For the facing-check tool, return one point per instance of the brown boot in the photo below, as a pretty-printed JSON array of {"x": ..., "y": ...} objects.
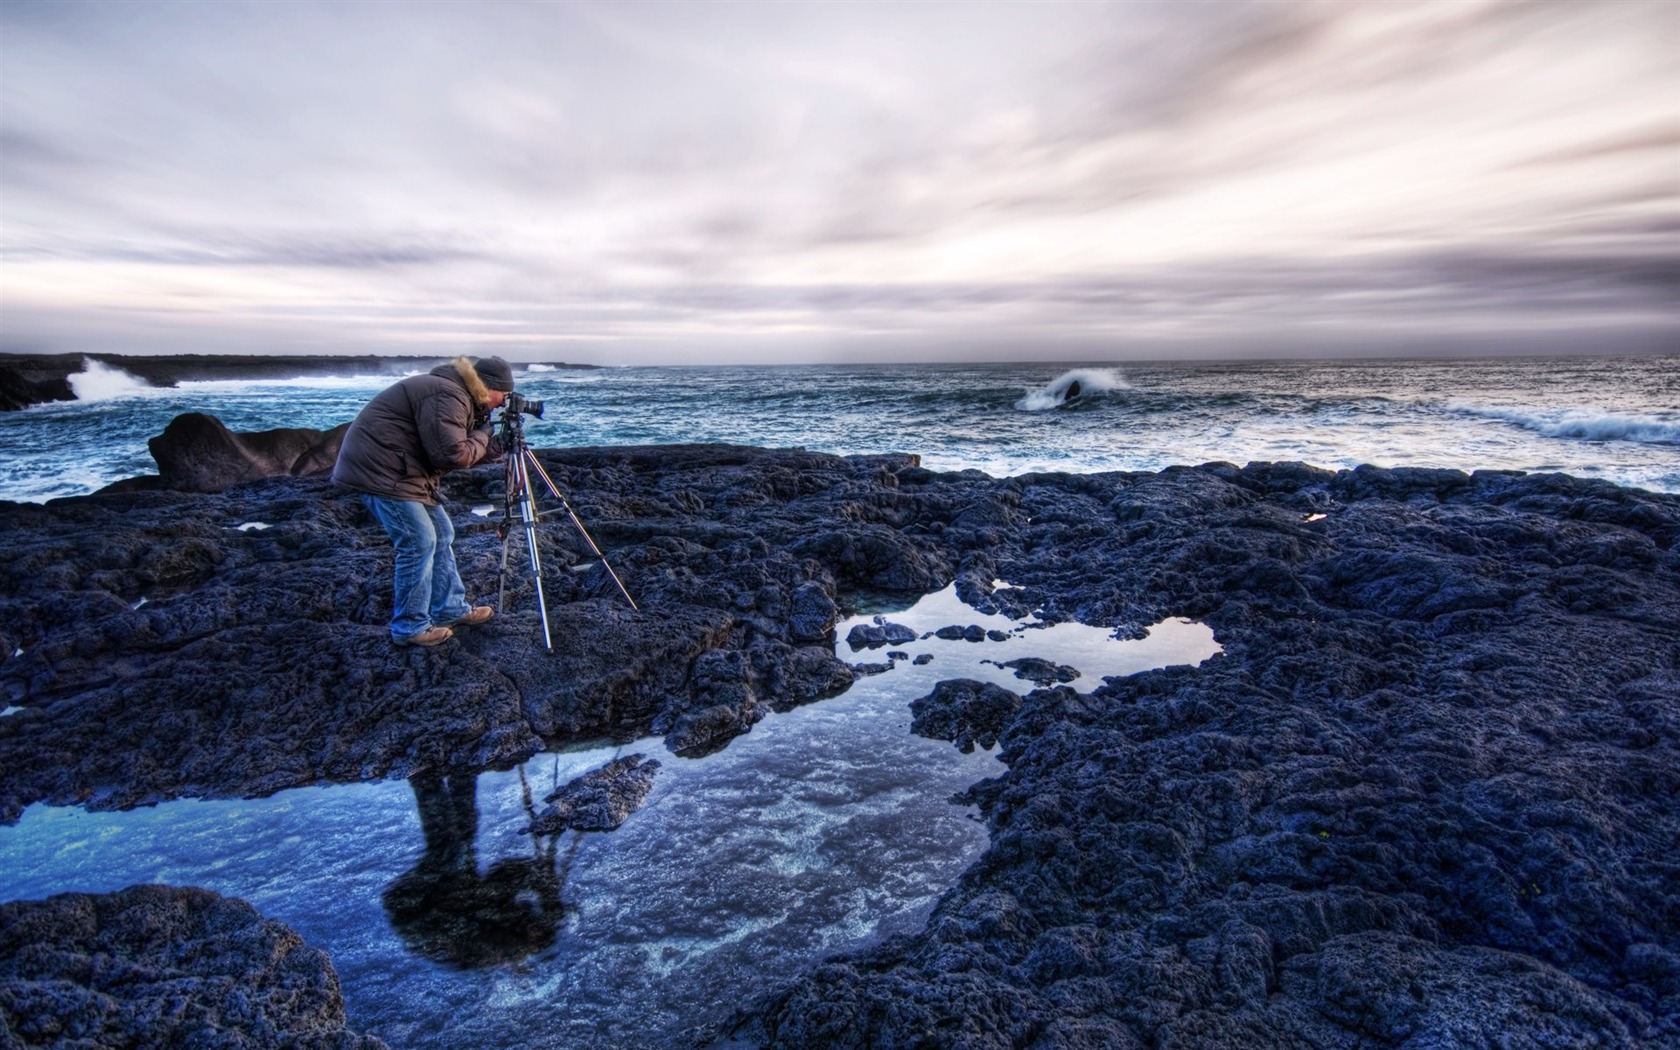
[
  {"x": 477, "y": 615},
  {"x": 430, "y": 636}
]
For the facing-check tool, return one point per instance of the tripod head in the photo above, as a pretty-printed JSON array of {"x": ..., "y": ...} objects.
[{"x": 513, "y": 428}]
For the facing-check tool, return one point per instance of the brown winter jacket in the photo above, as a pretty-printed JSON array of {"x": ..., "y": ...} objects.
[{"x": 417, "y": 430}]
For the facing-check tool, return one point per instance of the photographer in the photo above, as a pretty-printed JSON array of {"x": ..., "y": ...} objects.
[{"x": 395, "y": 453}]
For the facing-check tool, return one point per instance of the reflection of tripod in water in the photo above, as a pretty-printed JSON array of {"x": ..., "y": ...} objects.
[
  {"x": 521, "y": 461},
  {"x": 518, "y": 493}
]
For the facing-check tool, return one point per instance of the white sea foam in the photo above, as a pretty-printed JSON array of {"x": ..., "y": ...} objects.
[
  {"x": 1091, "y": 381},
  {"x": 1586, "y": 424},
  {"x": 265, "y": 385},
  {"x": 98, "y": 381}
]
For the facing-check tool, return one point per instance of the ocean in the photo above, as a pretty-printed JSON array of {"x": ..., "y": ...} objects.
[{"x": 1615, "y": 418}]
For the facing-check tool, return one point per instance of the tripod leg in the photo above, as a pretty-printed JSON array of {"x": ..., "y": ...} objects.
[
  {"x": 528, "y": 522},
  {"x": 587, "y": 538}
]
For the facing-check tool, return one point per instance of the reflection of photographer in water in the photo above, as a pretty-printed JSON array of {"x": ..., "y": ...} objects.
[
  {"x": 395, "y": 454},
  {"x": 446, "y": 911}
]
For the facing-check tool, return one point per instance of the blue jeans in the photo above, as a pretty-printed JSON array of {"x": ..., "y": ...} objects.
[{"x": 428, "y": 585}]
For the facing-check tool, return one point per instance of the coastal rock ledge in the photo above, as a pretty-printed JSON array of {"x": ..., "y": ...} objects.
[
  {"x": 164, "y": 966},
  {"x": 1427, "y": 796}
]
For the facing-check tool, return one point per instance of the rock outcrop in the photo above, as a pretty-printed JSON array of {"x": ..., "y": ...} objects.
[
  {"x": 157, "y": 966},
  {"x": 198, "y": 453},
  {"x": 35, "y": 381},
  {"x": 1426, "y": 796}
]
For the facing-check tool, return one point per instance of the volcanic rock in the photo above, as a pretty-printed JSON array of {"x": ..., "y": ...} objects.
[
  {"x": 1425, "y": 796},
  {"x": 1040, "y": 672},
  {"x": 161, "y": 966},
  {"x": 1419, "y": 800},
  {"x": 964, "y": 712},
  {"x": 873, "y": 636},
  {"x": 198, "y": 453}
]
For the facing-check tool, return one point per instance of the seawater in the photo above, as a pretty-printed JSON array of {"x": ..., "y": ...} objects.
[{"x": 1615, "y": 418}]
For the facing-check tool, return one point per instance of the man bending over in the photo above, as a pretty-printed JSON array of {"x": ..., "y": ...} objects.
[{"x": 395, "y": 453}]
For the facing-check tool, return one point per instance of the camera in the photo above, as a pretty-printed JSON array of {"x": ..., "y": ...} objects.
[{"x": 516, "y": 405}]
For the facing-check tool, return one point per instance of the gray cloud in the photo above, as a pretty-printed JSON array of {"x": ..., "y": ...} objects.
[{"x": 654, "y": 175}]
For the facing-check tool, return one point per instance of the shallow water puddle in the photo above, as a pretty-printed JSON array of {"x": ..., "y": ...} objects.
[
  {"x": 1092, "y": 651},
  {"x": 823, "y": 829}
]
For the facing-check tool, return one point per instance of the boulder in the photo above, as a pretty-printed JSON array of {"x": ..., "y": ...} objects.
[{"x": 198, "y": 453}]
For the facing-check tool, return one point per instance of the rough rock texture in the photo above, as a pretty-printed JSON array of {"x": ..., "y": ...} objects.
[
  {"x": 162, "y": 966},
  {"x": 1426, "y": 797},
  {"x": 964, "y": 712},
  {"x": 599, "y": 800},
  {"x": 198, "y": 453},
  {"x": 157, "y": 649}
]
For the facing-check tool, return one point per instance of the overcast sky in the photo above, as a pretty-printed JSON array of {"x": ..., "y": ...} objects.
[{"x": 714, "y": 182}]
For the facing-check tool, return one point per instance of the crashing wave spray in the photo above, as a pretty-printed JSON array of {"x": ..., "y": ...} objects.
[
  {"x": 1585, "y": 424},
  {"x": 98, "y": 381},
  {"x": 1080, "y": 382}
]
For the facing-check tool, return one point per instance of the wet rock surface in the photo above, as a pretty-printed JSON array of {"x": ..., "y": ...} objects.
[
  {"x": 1426, "y": 795},
  {"x": 156, "y": 966}
]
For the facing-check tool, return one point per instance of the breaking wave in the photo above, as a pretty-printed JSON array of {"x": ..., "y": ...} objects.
[
  {"x": 1078, "y": 383},
  {"x": 1588, "y": 424},
  {"x": 98, "y": 381}
]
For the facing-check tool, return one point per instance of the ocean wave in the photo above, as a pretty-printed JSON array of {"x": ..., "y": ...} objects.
[
  {"x": 98, "y": 381},
  {"x": 262, "y": 384},
  {"x": 1586, "y": 424},
  {"x": 1080, "y": 382}
]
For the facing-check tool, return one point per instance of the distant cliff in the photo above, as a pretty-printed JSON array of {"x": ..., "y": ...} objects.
[{"x": 34, "y": 379}]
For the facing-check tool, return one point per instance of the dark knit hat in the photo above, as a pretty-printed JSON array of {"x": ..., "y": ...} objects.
[{"x": 495, "y": 372}]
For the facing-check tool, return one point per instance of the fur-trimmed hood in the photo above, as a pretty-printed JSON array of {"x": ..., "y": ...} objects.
[{"x": 475, "y": 385}]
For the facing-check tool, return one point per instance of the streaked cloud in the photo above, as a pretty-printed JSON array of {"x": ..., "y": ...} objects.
[{"x": 699, "y": 182}]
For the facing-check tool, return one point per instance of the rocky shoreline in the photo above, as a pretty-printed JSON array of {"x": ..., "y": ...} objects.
[{"x": 1426, "y": 796}]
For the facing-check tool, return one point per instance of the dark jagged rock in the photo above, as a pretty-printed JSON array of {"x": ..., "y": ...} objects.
[
  {"x": 1425, "y": 796},
  {"x": 33, "y": 381},
  {"x": 252, "y": 661},
  {"x": 873, "y": 636},
  {"x": 198, "y": 453},
  {"x": 600, "y": 800},
  {"x": 1040, "y": 672},
  {"x": 964, "y": 712},
  {"x": 158, "y": 966}
]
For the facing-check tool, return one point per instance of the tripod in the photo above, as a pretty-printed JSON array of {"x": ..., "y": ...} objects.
[{"x": 521, "y": 462}]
